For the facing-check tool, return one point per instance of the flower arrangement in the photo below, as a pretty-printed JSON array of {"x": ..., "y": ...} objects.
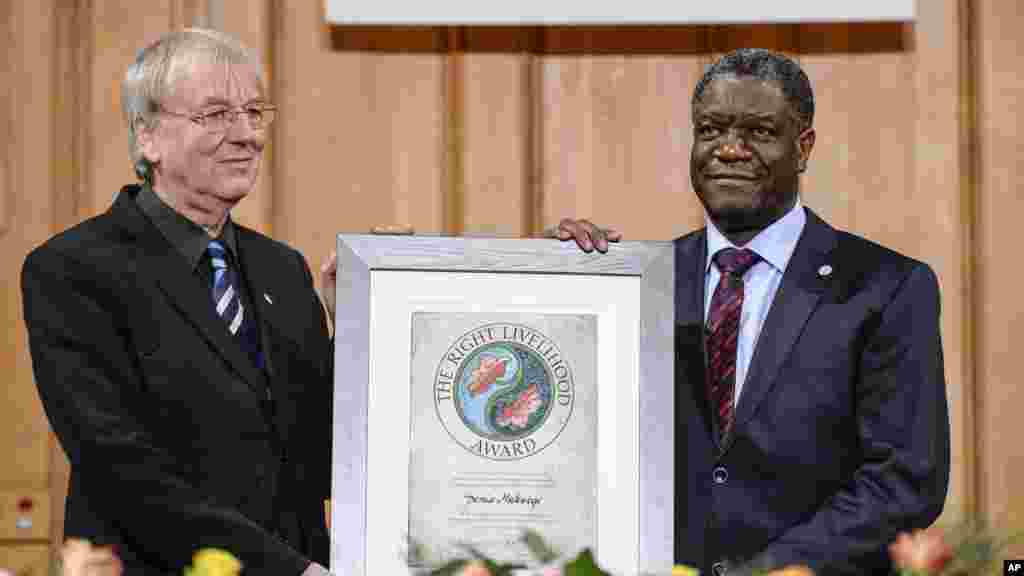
[
  {"x": 549, "y": 563},
  {"x": 80, "y": 558},
  {"x": 962, "y": 551},
  {"x": 475, "y": 563}
]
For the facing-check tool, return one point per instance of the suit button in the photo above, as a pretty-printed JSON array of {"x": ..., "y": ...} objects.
[
  {"x": 720, "y": 475},
  {"x": 718, "y": 569}
]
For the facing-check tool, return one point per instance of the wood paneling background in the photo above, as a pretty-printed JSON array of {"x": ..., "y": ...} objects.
[
  {"x": 502, "y": 131},
  {"x": 998, "y": 162}
]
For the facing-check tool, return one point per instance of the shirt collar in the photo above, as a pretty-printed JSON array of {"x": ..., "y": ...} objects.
[
  {"x": 187, "y": 237},
  {"x": 774, "y": 244}
]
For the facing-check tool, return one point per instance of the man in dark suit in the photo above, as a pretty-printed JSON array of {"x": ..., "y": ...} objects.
[
  {"x": 184, "y": 360},
  {"x": 810, "y": 389}
]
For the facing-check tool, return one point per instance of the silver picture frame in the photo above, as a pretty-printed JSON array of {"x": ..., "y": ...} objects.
[{"x": 383, "y": 280}]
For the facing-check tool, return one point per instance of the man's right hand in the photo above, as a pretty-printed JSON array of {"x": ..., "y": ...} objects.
[{"x": 588, "y": 236}]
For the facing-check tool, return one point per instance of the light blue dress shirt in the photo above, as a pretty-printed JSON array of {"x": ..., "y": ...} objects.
[{"x": 775, "y": 246}]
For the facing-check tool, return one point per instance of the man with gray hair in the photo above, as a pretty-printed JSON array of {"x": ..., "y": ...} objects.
[{"x": 184, "y": 360}]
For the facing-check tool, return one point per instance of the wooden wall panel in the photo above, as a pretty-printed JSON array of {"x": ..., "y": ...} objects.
[
  {"x": 25, "y": 442},
  {"x": 5, "y": 189},
  {"x": 6, "y": 112},
  {"x": 861, "y": 174},
  {"x": 615, "y": 135},
  {"x": 28, "y": 45},
  {"x": 185, "y": 13},
  {"x": 943, "y": 220},
  {"x": 24, "y": 516},
  {"x": 496, "y": 127},
  {"x": 1000, "y": 164},
  {"x": 118, "y": 30},
  {"x": 362, "y": 139},
  {"x": 31, "y": 560},
  {"x": 71, "y": 65}
]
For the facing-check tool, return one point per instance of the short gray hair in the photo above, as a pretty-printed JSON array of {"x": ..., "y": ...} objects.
[{"x": 159, "y": 66}]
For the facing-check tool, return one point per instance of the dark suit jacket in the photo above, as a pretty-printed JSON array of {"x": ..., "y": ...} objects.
[
  {"x": 176, "y": 440},
  {"x": 841, "y": 436}
]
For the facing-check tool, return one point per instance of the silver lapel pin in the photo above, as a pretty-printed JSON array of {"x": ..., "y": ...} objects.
[
  {"x": 824, "y": 271},
  {"x": 267, "y": 298}
]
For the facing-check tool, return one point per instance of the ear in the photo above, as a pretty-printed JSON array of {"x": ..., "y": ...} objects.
[
  {"x": 804, "y": 142},
  {"x": 145, "y": 139}
]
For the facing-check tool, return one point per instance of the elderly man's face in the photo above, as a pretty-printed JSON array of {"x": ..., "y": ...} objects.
[
  {"x": 747, "y": 154},
  {"x": 199, "y": 170}
]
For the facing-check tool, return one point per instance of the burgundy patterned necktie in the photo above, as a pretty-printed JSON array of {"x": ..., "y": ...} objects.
[{"x": 723, "y": 331}]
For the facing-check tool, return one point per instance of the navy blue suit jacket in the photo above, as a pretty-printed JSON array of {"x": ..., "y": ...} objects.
[{"x": 841, "y": 436}]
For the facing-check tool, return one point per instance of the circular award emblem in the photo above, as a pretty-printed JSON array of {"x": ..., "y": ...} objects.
[{"x": 503, "y": 391}]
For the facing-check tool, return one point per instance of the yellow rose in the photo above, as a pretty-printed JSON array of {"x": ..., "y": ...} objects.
[
  {"x": 679, "y": 570},
  {"x": 213, "y": 562}
]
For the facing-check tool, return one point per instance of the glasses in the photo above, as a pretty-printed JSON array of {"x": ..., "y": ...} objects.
[{"x": 258, "y": 117}]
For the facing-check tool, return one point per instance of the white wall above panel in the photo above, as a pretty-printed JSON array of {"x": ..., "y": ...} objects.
[{"x": 582, "y": 12}]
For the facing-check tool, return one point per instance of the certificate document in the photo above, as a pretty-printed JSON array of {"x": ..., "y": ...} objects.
[{"x": 503, "y": 431}]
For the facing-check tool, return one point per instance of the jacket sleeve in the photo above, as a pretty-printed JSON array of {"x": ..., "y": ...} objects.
[
  {"x": 321, "y": 391},
  {"x": 88, "y": 379},
  {"x": 903, "y": 426}
]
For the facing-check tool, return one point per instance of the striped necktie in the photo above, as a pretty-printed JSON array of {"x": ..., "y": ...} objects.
[
  {"x": 226, "y": 299},
  {"x": 723, "y": 332}
]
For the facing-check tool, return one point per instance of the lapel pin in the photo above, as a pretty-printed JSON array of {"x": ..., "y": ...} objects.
[
  {"x": 267, "y": 298},
  {"x": 824, "y": 271}
]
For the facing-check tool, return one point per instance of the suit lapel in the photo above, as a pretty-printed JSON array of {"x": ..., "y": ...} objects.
[
  {"x": 691, "y": 357},
  {"x": 256, "y": 272},
  {"x": 263, "y": 286},
  {"x": 797, "y": 297},
  {"x": 171, "y": 273}
]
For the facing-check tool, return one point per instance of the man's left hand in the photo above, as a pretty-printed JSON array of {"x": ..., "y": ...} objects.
[{"x": 588, "y": 236}]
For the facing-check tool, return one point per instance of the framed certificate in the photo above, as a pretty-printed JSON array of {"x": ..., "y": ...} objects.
[{"x": 483, "y": 386}]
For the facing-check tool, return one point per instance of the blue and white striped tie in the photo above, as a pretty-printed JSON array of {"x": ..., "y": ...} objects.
[{"x": 225, "y": 292}]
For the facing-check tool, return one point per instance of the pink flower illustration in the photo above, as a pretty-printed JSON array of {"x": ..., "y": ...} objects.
[
  {"x": 517, "y": 413},
  {"x": 487, "y": 374}
]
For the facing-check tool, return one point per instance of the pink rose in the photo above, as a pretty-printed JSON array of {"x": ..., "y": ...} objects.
[
  {"x": 475, "y": 568},
  {"x": 922, "y": 550},
  {"x": 80, "y": 558}
]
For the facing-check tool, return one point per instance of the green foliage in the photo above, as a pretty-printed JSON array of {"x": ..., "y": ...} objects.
[
  {"x": 538, "y": 548},
  {"x": 584, "y": 565}
]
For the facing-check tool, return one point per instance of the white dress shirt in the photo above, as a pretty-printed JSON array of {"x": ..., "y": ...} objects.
[{"x": 775, "y": 246}]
